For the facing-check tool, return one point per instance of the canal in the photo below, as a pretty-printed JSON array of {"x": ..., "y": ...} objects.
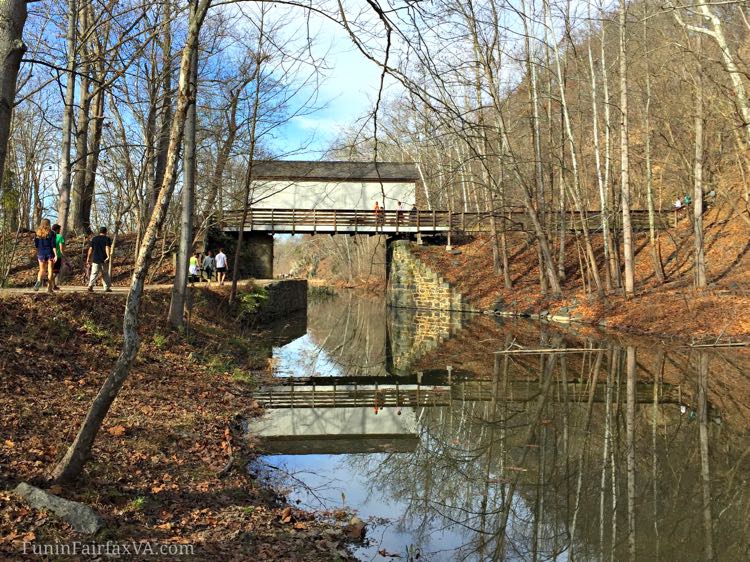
[{"x": 474, "y": 438}]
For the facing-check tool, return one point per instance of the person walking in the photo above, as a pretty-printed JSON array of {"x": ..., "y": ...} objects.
[
  {"x": 193, "y": 272},
  {"x": 98, "y": 256},
  {"x": 46, "y": 254},
  {"x": 221, "y": 266},
  {"x": 208, "y": 266},
  {"x": 60, "y": 261}
]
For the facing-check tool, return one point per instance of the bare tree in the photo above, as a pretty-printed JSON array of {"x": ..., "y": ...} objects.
[{"x": 79, "y": 451}]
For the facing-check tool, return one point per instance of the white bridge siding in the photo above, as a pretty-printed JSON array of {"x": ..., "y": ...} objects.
[{"x": 326, "y": 195}]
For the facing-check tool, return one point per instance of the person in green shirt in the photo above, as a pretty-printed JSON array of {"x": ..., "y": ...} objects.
[{"x": 57, "y": 266}]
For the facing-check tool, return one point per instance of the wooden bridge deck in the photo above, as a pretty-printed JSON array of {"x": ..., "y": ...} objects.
[{"x": 357, "y": 221}]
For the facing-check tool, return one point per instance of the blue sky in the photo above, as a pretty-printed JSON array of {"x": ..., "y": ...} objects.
[{"x": 347, "y": 93}]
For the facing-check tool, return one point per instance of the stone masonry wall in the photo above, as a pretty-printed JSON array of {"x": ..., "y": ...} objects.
[
  {"x": 284, "y": 297},
  {"x": 414, "y": 333},
  {"x": 411, "y": 284}
]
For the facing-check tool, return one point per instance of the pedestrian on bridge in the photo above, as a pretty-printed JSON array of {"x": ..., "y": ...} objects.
[{"x": 378, "y": 213}]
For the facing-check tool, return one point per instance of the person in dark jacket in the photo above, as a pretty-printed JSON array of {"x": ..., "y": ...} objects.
[
  {"x": 98, "y": 256},
  {"x": 46, "y": 254}
]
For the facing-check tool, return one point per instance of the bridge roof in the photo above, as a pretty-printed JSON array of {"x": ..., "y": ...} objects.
[{"x": 296, "y": 170}]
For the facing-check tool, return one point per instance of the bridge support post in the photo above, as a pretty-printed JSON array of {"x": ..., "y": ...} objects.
[{"x": 257, "y": 256}]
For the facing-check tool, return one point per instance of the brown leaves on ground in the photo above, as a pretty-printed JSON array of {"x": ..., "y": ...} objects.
[
  {"x": 116, "y": 431},
  {"x": 673, "y": 309},
  {"x": 155, "y": 466}
]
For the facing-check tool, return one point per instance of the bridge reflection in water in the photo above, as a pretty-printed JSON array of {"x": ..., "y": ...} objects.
[{"x": 627, "y": 450}]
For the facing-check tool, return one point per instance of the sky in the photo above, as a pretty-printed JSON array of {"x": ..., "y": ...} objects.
[{"x": 347, "y": 93}]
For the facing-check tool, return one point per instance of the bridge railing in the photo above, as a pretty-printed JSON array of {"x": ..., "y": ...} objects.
[{"x": 425, "y": 221}]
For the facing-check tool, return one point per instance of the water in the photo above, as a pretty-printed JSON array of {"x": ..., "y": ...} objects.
[{"x": 620, "y": 449}]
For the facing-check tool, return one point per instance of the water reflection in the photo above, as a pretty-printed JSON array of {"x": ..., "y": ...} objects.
[{"x": 619, "y": 450}]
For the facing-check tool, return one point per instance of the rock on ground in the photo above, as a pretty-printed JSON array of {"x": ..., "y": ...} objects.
[{"x": 81, "y": 517}]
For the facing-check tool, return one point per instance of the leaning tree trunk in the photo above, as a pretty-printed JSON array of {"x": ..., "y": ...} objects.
[
  {"x": 600, "y": 181},
  {"x": 78, "y": 453},
  {"x": 179, "y": 289},
  {"x": 12, "y": 48}
]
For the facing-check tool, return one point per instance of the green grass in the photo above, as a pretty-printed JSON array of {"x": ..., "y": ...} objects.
[
  {"x": 218, "y": 364},
  {"x": 249, "y": 301},
  {"x": 91, "y": 328},
  {"x": 242, "y": 376},
  {"x": 137, "y": 504},
  {"x": 160, "y": 340}
]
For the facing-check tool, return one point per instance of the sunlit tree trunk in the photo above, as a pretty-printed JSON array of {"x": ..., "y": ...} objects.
[
  {"x": 187, "y": 215},
  {"x": 627, "y": 229},
  {"x": 63, "y": 207},
  {"x": 708, "y": 518},
  {"x": 699, "y": 257},
  {"x": 630, "y": 367},
  {"x": 653, "y": 237},
  {"x": 600, "y": 181}
]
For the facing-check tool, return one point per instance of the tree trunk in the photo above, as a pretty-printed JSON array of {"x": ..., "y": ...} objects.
[
  {"x": 78, "y": 453},
  {"x": 536, "y": 137},
  {"x": 576, "y": 191},
  {"x": 92, "y": 162},
  {"x": 653, "y": 237},
  {"x": 166, "y": 106},
  {"x": 63, "y": 207},
  {"x": 627, "y": 229},
  {"x": 82, "y": 131},
  {"x": 699, "y": 257},
  {"x": 179, "y": 289},
  {"x": 12, "y": 48},
  {"x": 600, "y": 181}
]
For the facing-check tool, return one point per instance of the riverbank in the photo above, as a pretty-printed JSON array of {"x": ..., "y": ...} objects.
[
  {"x": 169, "y": 464},
  {"x": 670, "y": 310}
]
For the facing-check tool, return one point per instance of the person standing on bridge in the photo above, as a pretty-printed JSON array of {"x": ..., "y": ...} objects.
[
  {"x": 413, "y": 214},
  {"x": 399, "y": 211},
  {"x": 98, "y": 256},
  {"x": 221, "y": 266},
  {"x": 46, "y": 253}
]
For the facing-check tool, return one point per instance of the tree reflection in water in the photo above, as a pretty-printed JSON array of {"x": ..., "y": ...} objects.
[{"x": 630, "y": 451}]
